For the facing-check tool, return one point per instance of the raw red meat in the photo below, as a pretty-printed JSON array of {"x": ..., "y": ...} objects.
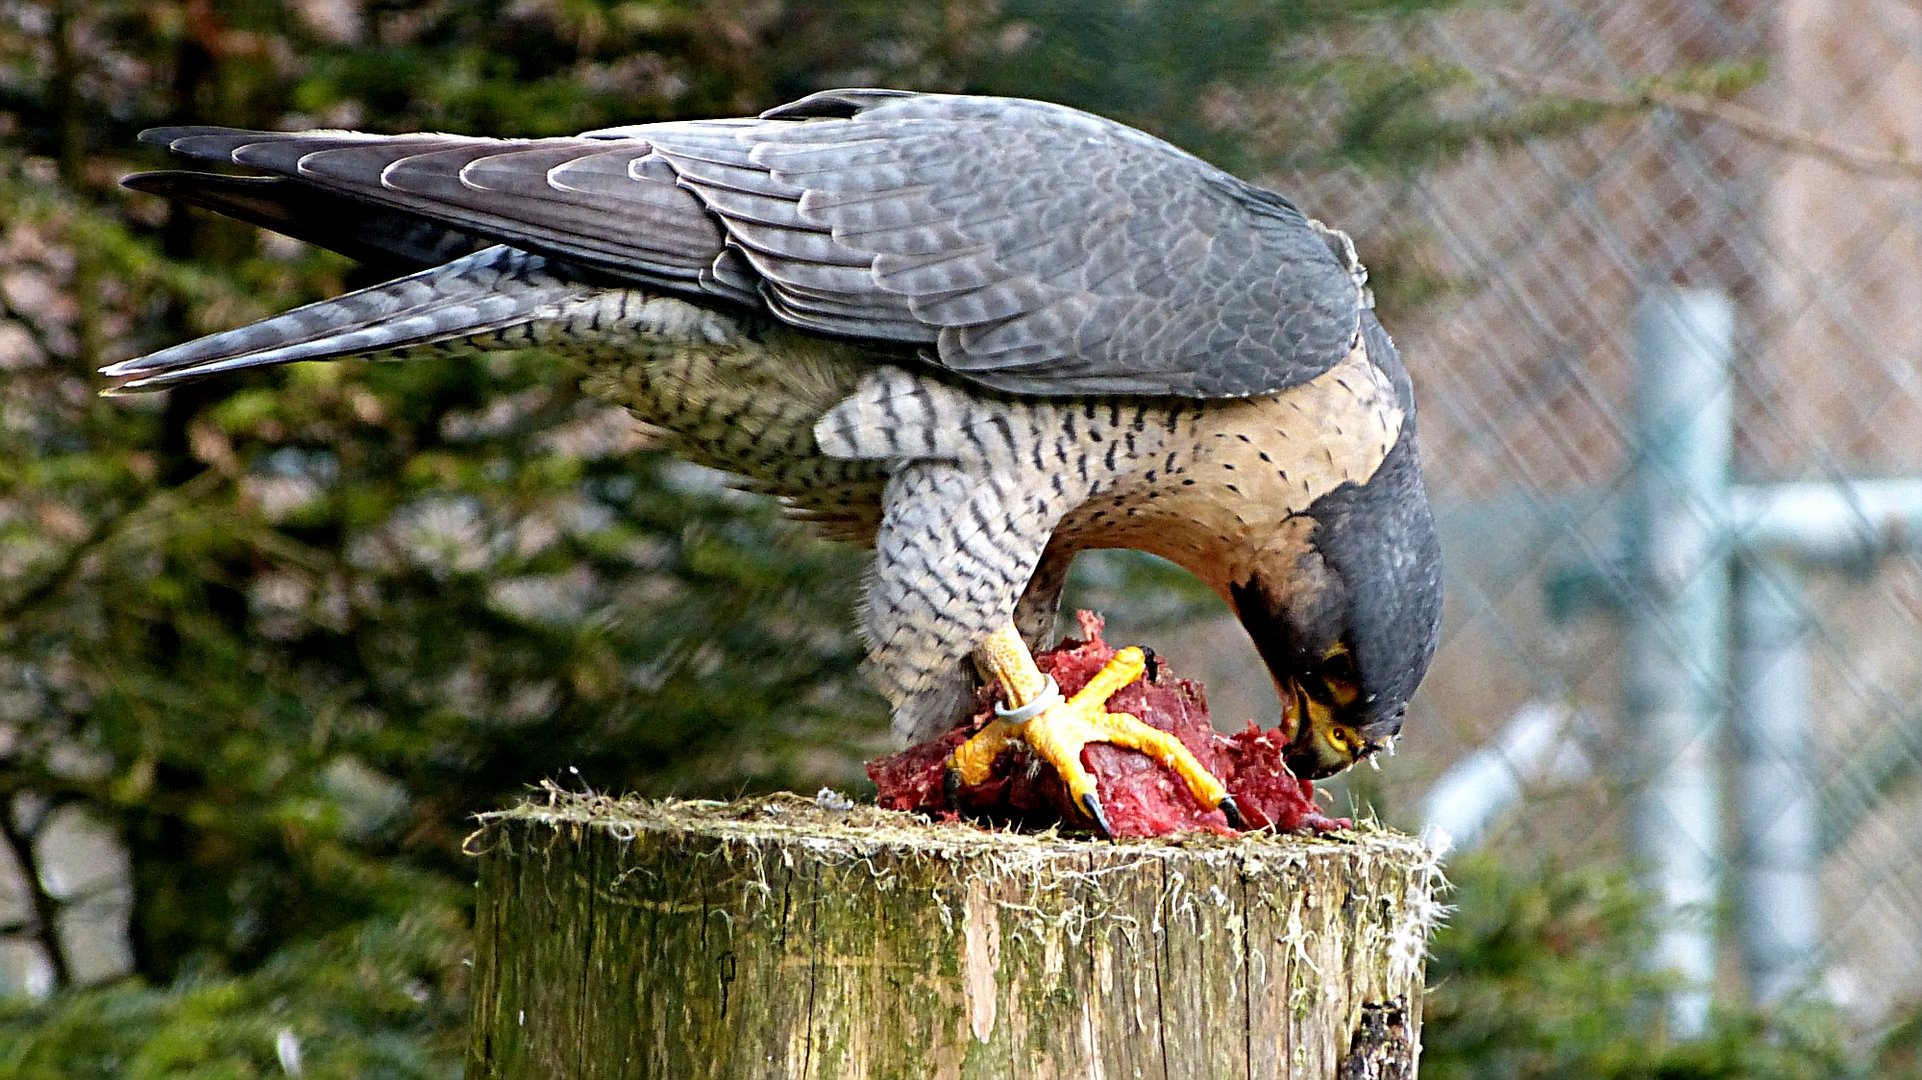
[{"x": 1140, "y": 797}]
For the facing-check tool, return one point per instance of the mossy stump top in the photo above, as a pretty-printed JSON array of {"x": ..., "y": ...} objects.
[{"x": 777, "y": 937}]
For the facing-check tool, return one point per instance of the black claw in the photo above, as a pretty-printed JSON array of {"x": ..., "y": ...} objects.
[
  {"x": 951, "y": 788},
  {"x": 1151, "y": 663},
  {"x": 1092, "y": 804},
  {"x": 1231, "y": 810}
]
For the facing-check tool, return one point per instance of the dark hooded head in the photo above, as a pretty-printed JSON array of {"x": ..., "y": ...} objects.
[{"x": 1346, "y": 607}]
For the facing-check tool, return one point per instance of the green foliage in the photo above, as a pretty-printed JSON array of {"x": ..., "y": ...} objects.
[
  {"x": 1230, "y": 80},
  {"x": 383, "y": 998},
  {"x": 1396, "y": 124},
  {"x": 282, "y": 635},
  {"x": 1538, "y": 974}
]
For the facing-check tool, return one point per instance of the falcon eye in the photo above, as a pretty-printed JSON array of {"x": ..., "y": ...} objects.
[{"x": 1342, "y": 740}]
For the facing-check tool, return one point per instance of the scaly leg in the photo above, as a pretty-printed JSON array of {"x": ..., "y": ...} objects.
[{"x": 1057, "y": 729}]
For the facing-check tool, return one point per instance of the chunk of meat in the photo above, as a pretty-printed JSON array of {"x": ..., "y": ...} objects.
[{"x": 1140, "y": 796}]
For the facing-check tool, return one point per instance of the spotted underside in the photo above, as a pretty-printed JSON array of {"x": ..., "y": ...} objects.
[{"x": 942, "y": 479}]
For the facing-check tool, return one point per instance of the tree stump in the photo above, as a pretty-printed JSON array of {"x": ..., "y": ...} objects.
[{"x": 780, "y": 938}]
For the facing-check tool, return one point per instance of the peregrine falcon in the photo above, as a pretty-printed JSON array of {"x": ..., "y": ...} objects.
[{"x": 978, "y": 334}]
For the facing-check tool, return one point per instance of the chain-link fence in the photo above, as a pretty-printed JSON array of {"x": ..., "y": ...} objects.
[{"x": 1668, "y": 405}]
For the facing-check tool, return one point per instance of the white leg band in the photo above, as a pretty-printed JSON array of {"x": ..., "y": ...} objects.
[{"x": 1048, "y": 698}]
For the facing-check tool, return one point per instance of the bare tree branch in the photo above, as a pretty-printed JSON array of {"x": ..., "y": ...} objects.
[
  {"x": 105, "y": 531},
  {"x": 1756, "y": 125}
]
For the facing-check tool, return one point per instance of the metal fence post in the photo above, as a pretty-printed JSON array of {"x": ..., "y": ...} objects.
[
  {"x": 1777, "y": 898},
  {"x": 1677, "y": 631}
]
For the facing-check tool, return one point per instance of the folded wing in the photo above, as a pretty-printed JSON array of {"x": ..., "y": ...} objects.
[{"x": 1026, "y": 247}]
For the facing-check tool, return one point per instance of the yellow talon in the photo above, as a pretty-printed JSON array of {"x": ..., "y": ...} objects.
[
  {"x": 1058, "y": 734},
  {"x": 974, "y": 759},
  {"x": 1125, "y": 667}
]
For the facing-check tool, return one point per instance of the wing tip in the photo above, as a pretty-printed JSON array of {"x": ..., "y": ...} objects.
[
  {"x": 172, "y": 136},
  {"x": 152, "y": 183},
  {"x": 206, "y": 142}
]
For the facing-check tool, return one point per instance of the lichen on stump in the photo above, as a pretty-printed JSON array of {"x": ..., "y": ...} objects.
[{"x": 777, "y": 937}]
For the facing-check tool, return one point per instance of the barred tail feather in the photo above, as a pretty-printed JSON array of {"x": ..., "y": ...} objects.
[{"x": 490, "y": 290}]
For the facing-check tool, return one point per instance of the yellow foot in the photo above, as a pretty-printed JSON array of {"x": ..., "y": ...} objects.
[{"x": 1057, "y": 729}]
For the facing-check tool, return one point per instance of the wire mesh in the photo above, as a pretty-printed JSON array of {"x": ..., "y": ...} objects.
[{"x": 1795, "y": 198}]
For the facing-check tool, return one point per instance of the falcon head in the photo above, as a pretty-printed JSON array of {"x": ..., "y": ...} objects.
[{"x": 1345, "y": 609}]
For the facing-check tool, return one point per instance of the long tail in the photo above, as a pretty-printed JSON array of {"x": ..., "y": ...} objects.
[{"x": 480, "y": 299}]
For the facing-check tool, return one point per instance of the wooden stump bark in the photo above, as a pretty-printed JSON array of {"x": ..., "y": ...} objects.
[{"x": 778, "y": 938}]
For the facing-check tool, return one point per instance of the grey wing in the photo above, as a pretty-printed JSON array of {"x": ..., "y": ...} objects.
[
  {"x": 1049, "y": 251},
  {"x": 367, "y": 233},
  {"x": 1026, "y": 247},
  {"x": 608, "y": 205}
]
